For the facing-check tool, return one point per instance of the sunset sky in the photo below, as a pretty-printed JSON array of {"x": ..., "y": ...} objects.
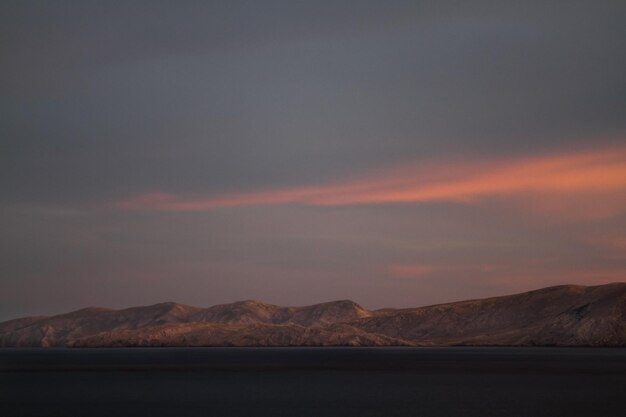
[{"x": 397, "y": 153}]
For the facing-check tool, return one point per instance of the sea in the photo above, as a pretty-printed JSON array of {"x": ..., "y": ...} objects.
[{"x": 453, "y": 381}]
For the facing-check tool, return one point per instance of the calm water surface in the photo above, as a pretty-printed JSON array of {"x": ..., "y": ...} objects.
[{"x": 313, "y": 382}]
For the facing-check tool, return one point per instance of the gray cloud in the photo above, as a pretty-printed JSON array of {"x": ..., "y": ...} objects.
[
  {"x": 104, "y": 100},
  {"x": 111, "y": 100}
]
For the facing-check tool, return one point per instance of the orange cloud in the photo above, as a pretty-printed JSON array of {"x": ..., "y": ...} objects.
[
  {"x": 593, "y": 181},
  {"x": 519, "y": 277},
  {"x": 412, "y": 270},
  {"x": 538, "y": 279},
  {"x": 419, "y": 270}
]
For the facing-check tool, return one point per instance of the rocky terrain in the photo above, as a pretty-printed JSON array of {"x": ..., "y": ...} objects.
[{"x": 557, "y": 316}]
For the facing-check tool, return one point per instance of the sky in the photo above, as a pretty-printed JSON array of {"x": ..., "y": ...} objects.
[{"x": 396, "y": 153}]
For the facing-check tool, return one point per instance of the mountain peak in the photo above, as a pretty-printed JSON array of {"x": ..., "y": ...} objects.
[
  {"x": 87, "y": 311},
  {"x": 251, "y": 303},
  {"x": 331, "y": 312},
  {"x": 566, "y": 315},
  {"x": 348, "y": 304}
]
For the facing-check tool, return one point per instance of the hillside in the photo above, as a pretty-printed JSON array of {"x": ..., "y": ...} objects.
[{"x": 555, "y": 316}]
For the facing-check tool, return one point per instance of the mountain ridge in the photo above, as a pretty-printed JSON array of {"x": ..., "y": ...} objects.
[{"x": 564, "y": 315}]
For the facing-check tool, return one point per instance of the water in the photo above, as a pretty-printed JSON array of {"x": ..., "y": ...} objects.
[{"x": 313, "y": 382}]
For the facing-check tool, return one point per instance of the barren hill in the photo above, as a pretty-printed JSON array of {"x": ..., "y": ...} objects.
[
  {"x": 252, "y": 311},
  {"x": 556, "y": 316}
]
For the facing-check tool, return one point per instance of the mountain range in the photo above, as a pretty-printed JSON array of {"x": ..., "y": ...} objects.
[{"x": 566, "y": 315}]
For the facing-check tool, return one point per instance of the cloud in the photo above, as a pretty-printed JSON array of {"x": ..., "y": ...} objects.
[
  {"x": 511, "y": 278},
  {"x": 412, "y": 270},
  {"x": 427, "y": 270},
  {"x": 590, "y": 183}
]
